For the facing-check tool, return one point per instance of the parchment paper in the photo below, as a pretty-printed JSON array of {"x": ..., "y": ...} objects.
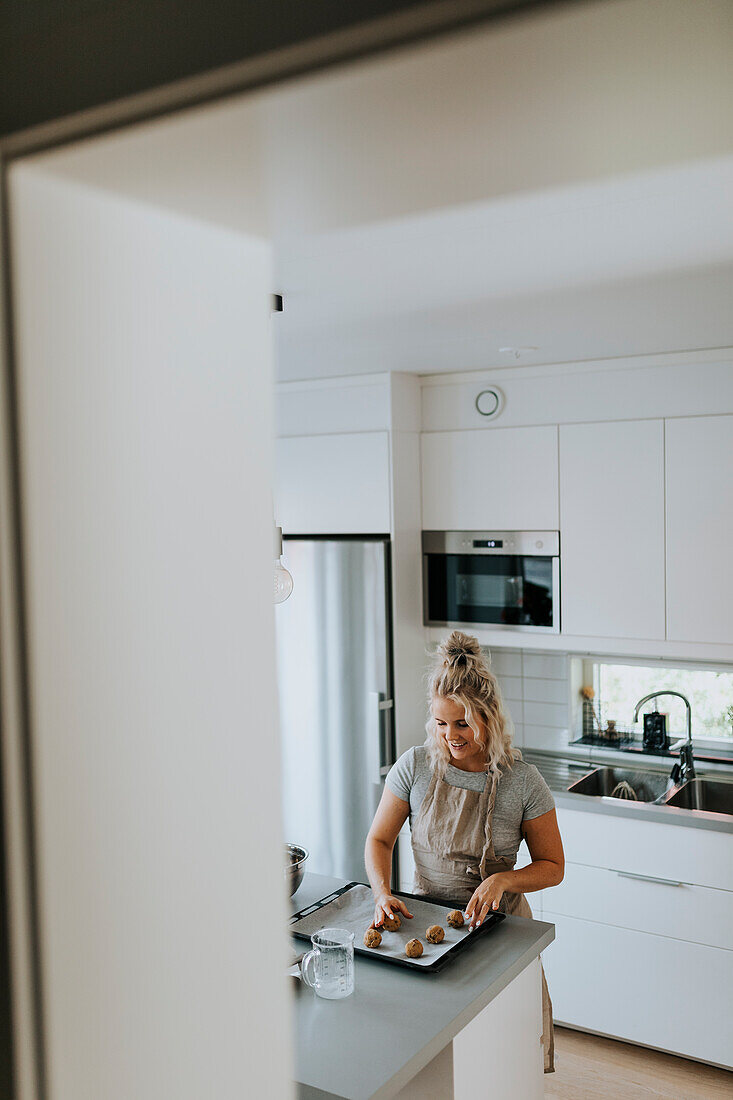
[{"x": 354, "y": 911}]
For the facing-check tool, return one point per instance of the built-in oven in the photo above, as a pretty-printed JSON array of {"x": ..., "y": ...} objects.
[{"x": 494, "y": 579}]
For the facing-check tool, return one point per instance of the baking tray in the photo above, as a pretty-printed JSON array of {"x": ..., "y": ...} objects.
[{"x": 352, "y": 907}]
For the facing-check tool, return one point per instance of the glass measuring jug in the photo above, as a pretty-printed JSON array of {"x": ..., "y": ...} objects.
[{"x": 329, "y": 967}]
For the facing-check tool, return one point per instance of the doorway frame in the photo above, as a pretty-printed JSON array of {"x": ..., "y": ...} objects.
[{"x": 433, "y": 19}]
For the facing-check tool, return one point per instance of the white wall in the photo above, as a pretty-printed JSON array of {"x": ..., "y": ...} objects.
[
  {"x": 510, "y": 184},
  {"x": 408, "y": 637},
  {"x": 561, "y": 96},
  {"x": 641, "y": 387},
  {"x": 145, "y": 409},
  {"x": 573, "y": 93}
]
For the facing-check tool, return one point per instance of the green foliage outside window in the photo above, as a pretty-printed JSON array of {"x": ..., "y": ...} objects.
[{"x": 619, "y": 688}]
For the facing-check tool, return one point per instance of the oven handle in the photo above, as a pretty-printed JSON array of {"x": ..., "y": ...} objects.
[{"x": 556, "y": 595}]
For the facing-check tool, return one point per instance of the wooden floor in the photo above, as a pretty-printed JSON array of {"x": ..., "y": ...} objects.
[{"x": 591, "y": 1068}]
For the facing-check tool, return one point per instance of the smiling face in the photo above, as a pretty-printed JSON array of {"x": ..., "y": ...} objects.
[{"x": 450, "y": 722}]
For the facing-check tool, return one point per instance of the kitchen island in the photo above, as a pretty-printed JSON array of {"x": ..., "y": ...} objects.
[{"x": 471, "y": 1028}]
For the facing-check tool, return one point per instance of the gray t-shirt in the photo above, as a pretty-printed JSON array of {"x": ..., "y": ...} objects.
[{"x": 521, "y": 795}]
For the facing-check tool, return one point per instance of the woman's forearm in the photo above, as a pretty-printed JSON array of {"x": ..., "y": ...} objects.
[
  {"x": 538, "y": 875},
  {"x": 378, "y": 860}
]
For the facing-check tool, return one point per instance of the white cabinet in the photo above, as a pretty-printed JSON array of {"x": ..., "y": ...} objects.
[
  {"x": 505, "y": 1036},
  {"x": 645, "y": 988},
  {"x": 645, "y": 903},
  {"x": 333, "y": 484},
  {"x": 406, "y": 861},
  {"x": 700, "y": 529},
  {"x": 612, "y": 529},
  {"x": 501, "y": 479},
  {"x": 644, "y": 921},
  {"x": 701, "y": 857},
  {"x": 512, "y": 1026}
]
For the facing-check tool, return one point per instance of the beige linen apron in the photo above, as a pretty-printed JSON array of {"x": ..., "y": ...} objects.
[{"x": 453, "y": 848}]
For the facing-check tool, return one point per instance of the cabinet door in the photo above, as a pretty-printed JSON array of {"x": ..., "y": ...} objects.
[
  {"x": 333, "y": 484},
  {"x": 644, "y": 988},
  {"x": 700, "y": 857},
  {"x": 612, "y": 529},
  {"x": 499, "y": 479},
  {"x": 511, "y": 1025},
  {"x": 700, "y": 529},
  {"x": 645, "y": 903}
]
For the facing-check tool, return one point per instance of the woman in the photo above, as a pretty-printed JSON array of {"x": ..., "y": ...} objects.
[{"x": 471, "y": 800}]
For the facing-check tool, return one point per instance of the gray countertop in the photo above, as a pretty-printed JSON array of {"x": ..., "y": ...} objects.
[
  {"x": 561, "y": 768},
  {"x": 370, "y": 1044}
]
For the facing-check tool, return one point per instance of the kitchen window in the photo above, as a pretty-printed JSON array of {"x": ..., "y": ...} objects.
[{"x": 618, "y": 687}]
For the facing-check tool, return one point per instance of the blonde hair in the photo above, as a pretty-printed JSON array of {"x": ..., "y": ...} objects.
[{"x": 462, "y": 673}]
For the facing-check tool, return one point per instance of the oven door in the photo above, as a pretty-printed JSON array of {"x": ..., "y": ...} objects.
[{"x": 512, "y": 591}]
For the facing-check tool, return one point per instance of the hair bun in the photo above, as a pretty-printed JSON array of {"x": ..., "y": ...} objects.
[{"x": 459, "y": 648}]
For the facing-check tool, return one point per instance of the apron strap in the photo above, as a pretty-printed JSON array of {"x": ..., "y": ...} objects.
[
  {"x": 489, "y": 855},
  {"x": 418, "y": 825}
]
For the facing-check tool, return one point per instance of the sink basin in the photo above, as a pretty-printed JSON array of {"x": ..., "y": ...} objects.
[
  {"x": 704, "y": 794},
  {"x": 647, "y": 786}
]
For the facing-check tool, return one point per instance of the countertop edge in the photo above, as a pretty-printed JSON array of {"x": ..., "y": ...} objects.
[
  {"x": 448, "y": 1034},
  {"x": 618, "y": 807}
]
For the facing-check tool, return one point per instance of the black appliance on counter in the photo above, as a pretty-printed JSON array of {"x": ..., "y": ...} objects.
[{"x": 656, "y": 737}]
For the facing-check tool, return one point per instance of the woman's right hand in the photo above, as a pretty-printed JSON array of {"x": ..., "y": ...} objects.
[{"x": 385, "y": 906}]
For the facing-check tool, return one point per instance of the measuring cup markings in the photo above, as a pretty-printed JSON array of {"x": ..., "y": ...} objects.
[{"x": 332, "y": 963}]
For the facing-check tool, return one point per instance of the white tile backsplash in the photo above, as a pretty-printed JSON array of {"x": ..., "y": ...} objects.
[
  {"x": 543, "y": 737},
  {"x": 506, "y": 662},
  {"x": 548, "y": 666},
  {"x": 545, "y": 691},
  {"x": 547, "y": 714},
  {"x": 535, "y": 689},
  {"x": 511, "y": 688}
]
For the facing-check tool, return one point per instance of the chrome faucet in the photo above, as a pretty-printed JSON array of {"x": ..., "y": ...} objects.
[{"x": 685, "y": 769}]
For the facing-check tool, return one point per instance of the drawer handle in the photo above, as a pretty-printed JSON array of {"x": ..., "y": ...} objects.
[{"x": 648, "y": 878}]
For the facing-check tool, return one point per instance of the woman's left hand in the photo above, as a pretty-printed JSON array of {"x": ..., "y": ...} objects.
[{"x": 486, "y": 898}]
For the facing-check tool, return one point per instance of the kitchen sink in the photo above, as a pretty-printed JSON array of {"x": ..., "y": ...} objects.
[
  {"x": 704, "y": 794},
  {"x": 638, "y": 786}
]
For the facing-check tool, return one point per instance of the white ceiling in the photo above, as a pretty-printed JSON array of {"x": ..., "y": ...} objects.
[
  {"x": 562, "y": 180},
  {"x": 626, "y": 267}
]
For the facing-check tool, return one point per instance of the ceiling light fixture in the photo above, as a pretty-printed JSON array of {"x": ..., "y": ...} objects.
[
  {"x": 282, "y": 579},
  {"x": 519, "y": 352}
]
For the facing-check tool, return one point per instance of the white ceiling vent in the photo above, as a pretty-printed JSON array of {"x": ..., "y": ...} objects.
[{"x": 489, "y": 403}]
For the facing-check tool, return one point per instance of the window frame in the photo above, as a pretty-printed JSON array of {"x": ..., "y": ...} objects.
[{"x": 591, "y": 675}]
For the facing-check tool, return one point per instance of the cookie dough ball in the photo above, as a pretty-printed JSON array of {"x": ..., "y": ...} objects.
[
  {"x": 435, "y": 934},
  {"x": 455, "y": 918},
  {"x": 392, "y": 923},
  {"x": 413, "y": 950},
  {"x": 372, "y": 938}
]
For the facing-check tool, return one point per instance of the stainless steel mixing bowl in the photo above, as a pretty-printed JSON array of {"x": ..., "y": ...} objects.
[{"x": 295, "y": 858}]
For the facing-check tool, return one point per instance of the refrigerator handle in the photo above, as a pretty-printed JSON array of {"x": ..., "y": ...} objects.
[{"x": 377, "y": 705}]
